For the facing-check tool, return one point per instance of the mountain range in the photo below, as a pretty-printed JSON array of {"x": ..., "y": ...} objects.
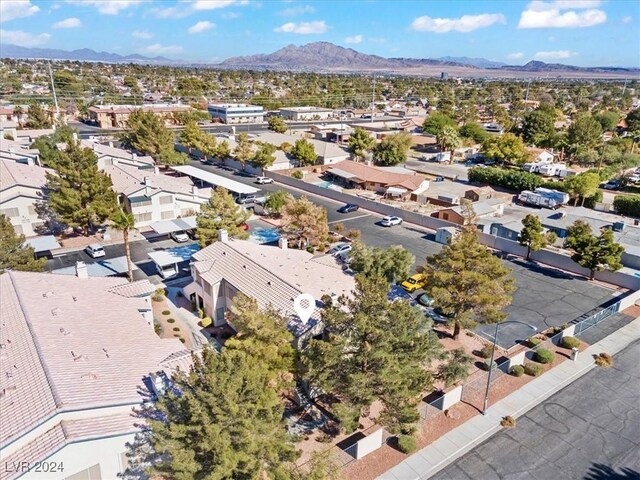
[{"x": 327, "y": 57}]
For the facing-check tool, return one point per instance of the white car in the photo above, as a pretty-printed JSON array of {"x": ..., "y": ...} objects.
[
  {"x": 263, "y": 180},
  {"x": 390, "y": 221},
  {"x": 95, "y": 250},
  {"x": 340, "y": 249},
  {"x": 180, "y": 236}
]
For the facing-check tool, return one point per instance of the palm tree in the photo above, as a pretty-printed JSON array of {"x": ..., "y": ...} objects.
[
  {"x": 449, "y": 140},
  {"x": 124, "y": 222}
]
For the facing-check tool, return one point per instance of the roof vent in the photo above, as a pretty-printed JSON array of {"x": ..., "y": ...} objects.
[
  {"x": 269, "y": 283},
  {"x": 106, "y": 352},
  {"x": 47, "y": 294},
  {"x": 56, "y": 311},
  {"x": 89, "y": 376},
  {"x": 64, "y": 332},
  {"x": 77, "y": 357},
  {"x": 7, "y": 391}
]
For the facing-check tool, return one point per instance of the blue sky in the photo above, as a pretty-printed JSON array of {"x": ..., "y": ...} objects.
[{"x": 578, "y": 32}]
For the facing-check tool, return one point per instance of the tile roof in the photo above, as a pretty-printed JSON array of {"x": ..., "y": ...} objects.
[
  {"x": 70, "y": 344},
  {"x": 368, "y": 173},
  {"x": 14, "y": 173},
  {"x": 271, "y": 275},
  {"x": 115, "y": 152},
  {"x": 128, "y": 180},
  {"x": 139, "y": 288}
]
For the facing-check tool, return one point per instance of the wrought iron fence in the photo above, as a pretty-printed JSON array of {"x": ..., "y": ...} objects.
[{"x": 596, "y": 318}]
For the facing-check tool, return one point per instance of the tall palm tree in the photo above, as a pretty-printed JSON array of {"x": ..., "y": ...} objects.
[
  {"x": 124, "y": 222},
  {"x": 449, "y": 140}
]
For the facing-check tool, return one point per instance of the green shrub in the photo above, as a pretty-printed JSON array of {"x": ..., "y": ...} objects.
[
  {"x": 407, "y": 444},
  {"x": 182, "y": 339},
  {"x": 310, "y": 249},
  {"x": 166, "y": 312},
  {"x": 298, "y": 174},
  {"x": 604, "y": 360},
  {"x": 570, "y": 342},
  {"x": 516, "y": 180},
  {"x": 157, "y": 328},
  {"x": 533, "y": 341},
  {"x": 158, "y": 295},
  {"x": 485, "y": 365},
  {"x": 206, "y": 322},
  {"x": 533, "y": 369},
  {"x": 544, "y": 356},
  {"x": 176, "y": 329},
  {"x": 171, "y": 320},
  {"x": 485, "y": 352},
  {"x": 517, "y": 370},
  {"x": 627, "y": 205},
  {"x": 508, "y": 421}
]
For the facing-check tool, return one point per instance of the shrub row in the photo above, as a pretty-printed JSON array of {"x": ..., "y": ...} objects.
[
  {"x": 627, "y": 205},
  {"x": 516, "y": 180}
]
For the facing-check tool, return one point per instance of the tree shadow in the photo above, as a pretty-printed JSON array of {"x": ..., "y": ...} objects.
[
  {"x": 599, "y": 471},
  {"x": 544, "y": 270}
]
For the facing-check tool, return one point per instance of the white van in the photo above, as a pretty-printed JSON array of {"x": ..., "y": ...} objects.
[
  {"x": 167, "y": 271},
  {"x": 95, "y": 250}
]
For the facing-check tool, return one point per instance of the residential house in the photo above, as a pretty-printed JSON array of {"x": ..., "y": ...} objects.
[
  {"x": 303, "y": 114},
  {"x": 234, "y": 113},
  {"x": 77, "y": 357},
  {"x": 540, "y": 155},
  {"x": 21, "y": 187},
  {"x": 110, "y": 155},
  {"x": 481, "y": 210},
  {"x": 391, "y": 181},
  {"x": 152, "y": 197},
  {"x": 116, "y": 116},
  {"x": 8, "y": 129},
  {"x": 328, "y": 152},
  {"x": 19, "y": 152},
  {"x": 480, "y": 193},
  {"x": 273, "y": 275}
]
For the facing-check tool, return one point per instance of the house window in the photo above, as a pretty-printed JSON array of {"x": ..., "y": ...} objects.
[
  {"x": 10, "y": 212},
  {"x": 142, "y": 217},
  {"x": 167, "y": 215},
  {"x": 445, "y": 216},
  {"x": 166, "y": 200},
  {"x": 140, "y": 202},
  {"x": 91, "y": 473}
]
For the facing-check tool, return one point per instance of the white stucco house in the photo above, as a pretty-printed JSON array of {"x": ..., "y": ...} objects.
[{"x": 109, "y": 155}]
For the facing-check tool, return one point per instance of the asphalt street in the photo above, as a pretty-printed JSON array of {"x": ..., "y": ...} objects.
[{"x": 589, "y": 430}]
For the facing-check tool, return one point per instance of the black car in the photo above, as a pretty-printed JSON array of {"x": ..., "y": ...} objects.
[{"x": 349, "y": 207}]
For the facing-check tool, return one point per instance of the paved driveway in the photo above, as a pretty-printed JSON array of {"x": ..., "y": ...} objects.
[{"x": 590, "y": 430}]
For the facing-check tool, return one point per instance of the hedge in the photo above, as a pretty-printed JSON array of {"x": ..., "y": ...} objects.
[
  {"x": 570, "y": 342},
  {"x": 516, "y": 180},
  {"x": 627, "y": 205},
  {"x": 544, "y": 356}
]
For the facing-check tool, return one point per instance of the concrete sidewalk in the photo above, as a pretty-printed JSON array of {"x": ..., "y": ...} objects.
[{"x": 434, "y": 457}]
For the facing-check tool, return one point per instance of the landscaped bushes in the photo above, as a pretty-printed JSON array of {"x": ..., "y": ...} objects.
[
  {"x": 627, "y": 205},
  {"x": 604, "y": 360},
  {"x": 533, "y": 341},
  {"x": 516, "y": 180},
  {"x": 544, "y": 356},
  {"x": 570, "y": 342},
  {"x": 407, "y": 444},
  {"x": 533, "y": 369},
  {"x": 485, "y": 352},
  {"x": 517, "y": 370}
]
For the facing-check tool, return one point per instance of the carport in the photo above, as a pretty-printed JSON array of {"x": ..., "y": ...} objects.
[
  {"x": 101, "y": 268},
  {"x": 232, "y": 186},
  {"x": 43, "y": 245},
  {"x": 165, "y": 227}
]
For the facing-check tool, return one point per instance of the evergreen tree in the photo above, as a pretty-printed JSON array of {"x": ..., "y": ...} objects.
[
  {"x": 220, "y": 420},
  {"x": 192, "y": 136},
  {"x": 449, "y": 140},
  {"x": 393, "y": 149},
  {"x": 584, "y": 185},
  {"x": 304, "y": 222},
  {"x": 243, "y": 151},
  {"x": 304, "y": 153},
  {"x": 263, "y": 335},
  {"x": 375, "y": 350},
  {"x": 124, "y": 222},
  {"x": 148, "y": 134},
  {"x": 38, "y": 117},
  {"x": 593, "y": 252},
  {"x": 584, "y": 132},
  {"x": 393, "y": 263},
  {"x": 220, "y": 213},
  {"x": 360, "y": 142},
  {"x": 80, "y": 195},
  {"x": 538, "y": 125},
  {"x": 533, "y": 236},
  {"x": 468, "y": 283},
  {"x": 264, "y": 155},
  {"x": 277, "y": 124},
  {"x": 46, "y": 145},
  {"x": 169, "y": 156},
  {"x": 209, "y": 146},
  {"x": 276, "y": 202},
  {"x": 456, "y": 367},
  {"x": 14, "y": 254}
]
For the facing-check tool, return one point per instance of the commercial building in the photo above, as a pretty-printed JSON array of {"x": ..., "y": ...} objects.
[
  {"x": 77, "y": 356},
  {"x": 116, "y": 116},
  {"x": 303, "y": 114},
  {"x": 233, "y": 113}
]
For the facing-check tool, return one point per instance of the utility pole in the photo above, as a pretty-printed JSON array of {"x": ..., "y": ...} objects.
[
  {"x": 373, "y": 97},
  {"x": 53, "y": 90}
]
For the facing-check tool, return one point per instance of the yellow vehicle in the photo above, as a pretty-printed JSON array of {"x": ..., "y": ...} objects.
[{"x": 414, "y": 282}]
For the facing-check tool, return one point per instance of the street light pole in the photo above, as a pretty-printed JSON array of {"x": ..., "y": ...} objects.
[{"x": 493, "y": 350}]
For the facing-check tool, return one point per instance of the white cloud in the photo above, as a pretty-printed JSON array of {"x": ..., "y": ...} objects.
[
  {"x": 186, "y": 8},
  {"x": 466, "y": 23},
  {"x": 10, "y": 10},
  {"x": 354, "y": 39},
  {"x": 215, "y": 4},
  {"x": 555, "y": 55},
  {"x": 71, "y": 22},
  {"x": 303, "y": 28},
  {"x": 627, "y": 19},
  {"x": 107, "y": 7},
  {"x": 24, "y": 39},
  {"x": 200, "y": 27},
  {"x": 159, "y": 49},
  {"x": 294, "y": 11},
  {"x": 142, "y": 34},
  {"x": 230, "y": 15},
  {"x": 556, "y": 14},
  {"x": 515, "y": 56}
]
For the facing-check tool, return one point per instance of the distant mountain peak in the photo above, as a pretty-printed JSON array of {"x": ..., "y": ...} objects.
[{"x": 82, "y": 54}]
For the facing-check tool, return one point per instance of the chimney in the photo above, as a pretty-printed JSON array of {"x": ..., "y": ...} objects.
[
  {"x": 223, "y": 236},
  {"x": 156, "y": 170},
  {"x": 194, "y": 190},
  {"x": 111, "y": 144},
  {"x": 81, "y": 270},
  {"x": 147, "y": 181},
  {"x": 283, "y": 243},
  {"x": 75, "y": 137}
]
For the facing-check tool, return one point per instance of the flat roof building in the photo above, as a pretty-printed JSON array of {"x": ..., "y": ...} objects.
[
  {"x": 233, "y": 113},
  {"x": 302, "y": 114}
]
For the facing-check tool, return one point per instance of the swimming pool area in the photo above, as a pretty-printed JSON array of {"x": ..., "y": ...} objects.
[
  {"x": 324, "y": 184},
  {"x": 264, "y": 235}
]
